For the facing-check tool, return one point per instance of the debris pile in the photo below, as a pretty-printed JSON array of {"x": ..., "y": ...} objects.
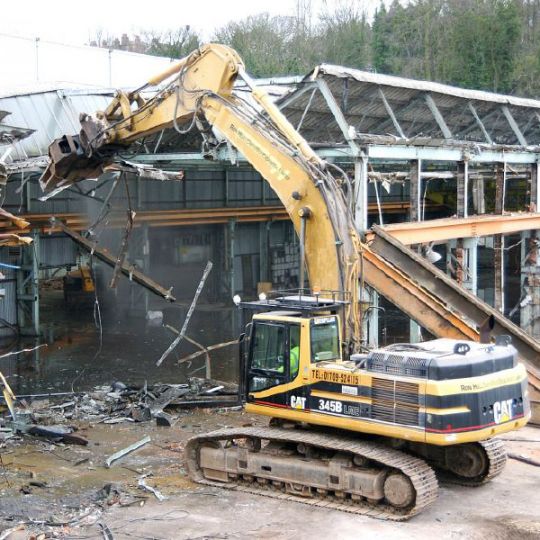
[
  {"x": 120, "y": 403},
  {"x": 48, "y": 418}
]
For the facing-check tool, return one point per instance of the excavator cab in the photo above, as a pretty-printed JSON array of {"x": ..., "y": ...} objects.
[
  {"x": 441, "y": 392},
  {"x": 279, "y": 346}
]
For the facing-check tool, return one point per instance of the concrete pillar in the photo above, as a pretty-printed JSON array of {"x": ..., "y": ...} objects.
[
  {"x": 462, "y": 189},
  {"x": 498, "y": 239},
  {"x": 530, "y": 284},
  {"x": 361, "y": 194},
  {"x": 415, "y": 191},
  {"x": 470, "y": 279}
]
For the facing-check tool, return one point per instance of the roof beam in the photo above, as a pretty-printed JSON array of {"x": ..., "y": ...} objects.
[
  {"x": 391, "y": 114},
  {"x": 487, "y": 136},
  {"x": 338, "y": 115},
  {"x": 474, "y": 124},
  {"x": 513, "y": 124},
  {"x": 410, "y": 104},
  {"x": 292, "y": 97},
  {"x": 442, "y": 230},
  {"x": 430, "y": 102}
]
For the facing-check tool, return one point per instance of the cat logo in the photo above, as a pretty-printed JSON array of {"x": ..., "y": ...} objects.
[
  {"x": 502, "y": 411},
  {"x": 298, "y": 402}
]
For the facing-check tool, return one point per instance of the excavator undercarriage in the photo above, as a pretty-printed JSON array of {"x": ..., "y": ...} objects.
[{"x": 338, "y": 471}]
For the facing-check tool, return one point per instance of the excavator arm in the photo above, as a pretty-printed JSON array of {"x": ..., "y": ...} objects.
[{"x": 201, "y": 92}]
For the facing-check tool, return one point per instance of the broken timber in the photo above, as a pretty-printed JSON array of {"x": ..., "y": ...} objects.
[{"x": 103, "y": 255}]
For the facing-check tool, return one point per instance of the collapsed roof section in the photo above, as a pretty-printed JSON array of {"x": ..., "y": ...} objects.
[{"x": 334, "y": 104}]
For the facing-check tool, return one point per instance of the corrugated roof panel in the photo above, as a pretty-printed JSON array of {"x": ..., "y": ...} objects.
[
  {"x": 50, "y": 114},
  {"x": 363, "y": 108},
  {"x": 424, "y": 86}
]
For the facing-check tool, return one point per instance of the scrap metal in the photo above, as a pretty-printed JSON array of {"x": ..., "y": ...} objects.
[{"x": 125, "y": 451}]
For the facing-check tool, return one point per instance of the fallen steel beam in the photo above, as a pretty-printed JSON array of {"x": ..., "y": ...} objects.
[
  {"x": 455, "y": 298},
  {"x": 437, "y": 230},
  {"x": 103, "y": 255},
  {"x": 417, "y": 302}
]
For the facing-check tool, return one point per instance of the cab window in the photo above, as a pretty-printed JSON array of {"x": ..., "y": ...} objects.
[
  {"x": 325, "y": 340},
  {"x": 269, "y": 347},
  {"x": 275, "y": 355}
]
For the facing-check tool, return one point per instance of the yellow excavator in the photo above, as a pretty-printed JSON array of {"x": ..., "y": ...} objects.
[{"x": 360, "y": 432}]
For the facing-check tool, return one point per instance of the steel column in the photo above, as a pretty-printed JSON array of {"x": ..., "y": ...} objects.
[
  {"x": 530, "y": 284},
  {"x": 264, "y": 250},
  {"x": 28, "y": 288},
  {"x": 534, "y": 188},
  {"x": 231, "y": 229},
  {"x": 470, "y": 247},
  {"x": 373, "y": 320}
]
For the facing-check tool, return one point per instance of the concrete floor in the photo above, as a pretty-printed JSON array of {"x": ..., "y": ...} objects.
[{"x": 506, "y": 508}]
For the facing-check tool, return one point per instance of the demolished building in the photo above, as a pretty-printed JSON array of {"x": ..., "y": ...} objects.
[{"x": 415, "y": 150}]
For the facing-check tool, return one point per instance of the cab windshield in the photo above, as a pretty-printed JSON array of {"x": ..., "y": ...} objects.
[{"x": 325, "y": 339}]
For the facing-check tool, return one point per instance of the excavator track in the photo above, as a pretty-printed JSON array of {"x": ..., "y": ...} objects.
[
  {"x": 403, "y": 470},
  {"x": 494, "y": 454}
]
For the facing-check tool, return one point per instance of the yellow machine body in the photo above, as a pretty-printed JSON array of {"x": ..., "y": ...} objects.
[{"x": 360, "y": 396}]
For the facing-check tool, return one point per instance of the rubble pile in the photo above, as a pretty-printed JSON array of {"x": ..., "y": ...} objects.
[{"x": 50, "y": 417}]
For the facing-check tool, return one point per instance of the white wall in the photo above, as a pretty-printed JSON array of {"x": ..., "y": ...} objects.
[{"x": 27, "y": 62}]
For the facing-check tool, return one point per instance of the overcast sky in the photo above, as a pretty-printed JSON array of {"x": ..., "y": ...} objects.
[{"x": 77, "y": 22}]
